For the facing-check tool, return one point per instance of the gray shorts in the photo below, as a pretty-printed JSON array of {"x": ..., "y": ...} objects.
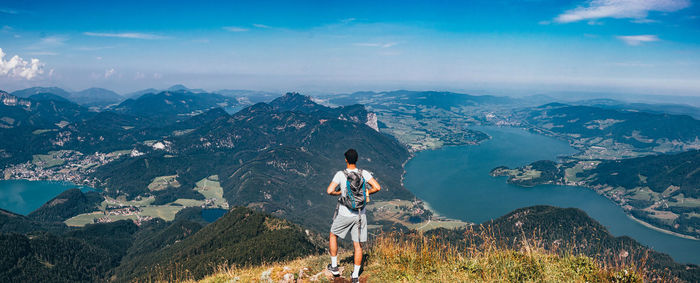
[{"x": 344, "y": 224}]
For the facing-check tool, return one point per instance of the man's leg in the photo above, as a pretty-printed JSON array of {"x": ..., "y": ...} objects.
[
  {"x": 333, "y": 243},
  {"x": 358, "y": 259},
  {"x": 333, "y": 248}
]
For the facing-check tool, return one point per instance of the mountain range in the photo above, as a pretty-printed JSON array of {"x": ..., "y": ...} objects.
[{"x": 272, "y": 160}]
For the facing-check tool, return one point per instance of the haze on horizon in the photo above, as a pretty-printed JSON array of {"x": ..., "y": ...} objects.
[{"x": 617, "y": 46}]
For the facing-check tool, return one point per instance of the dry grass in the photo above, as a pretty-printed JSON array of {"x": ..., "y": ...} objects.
[
  {"x": 417, "y": 258},
  {"x": 420, "y": 259}
]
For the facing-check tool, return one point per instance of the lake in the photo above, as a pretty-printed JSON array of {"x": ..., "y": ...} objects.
[
  {"x": 212, "y": 214},
  {"x": 23, "y": 196},
  {"x": 455, "y": 182}
]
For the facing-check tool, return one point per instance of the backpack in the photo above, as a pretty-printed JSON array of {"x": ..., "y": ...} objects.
[{"x": 355, "y": 197}]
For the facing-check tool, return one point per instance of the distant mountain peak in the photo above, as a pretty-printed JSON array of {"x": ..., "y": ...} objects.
[
  {"x": 294, "y": 101},
  {"x": 177, "y": 87},
  {"x": 40, "y": 89},
  {"x": 181, "y": 87}
]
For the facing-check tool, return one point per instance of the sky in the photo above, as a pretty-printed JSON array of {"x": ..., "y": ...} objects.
[{"x": 489, "y": 47}]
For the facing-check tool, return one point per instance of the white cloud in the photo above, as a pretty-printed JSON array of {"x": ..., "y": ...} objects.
[
  {"x": 109, "y": 72},
  {"x": 93, "y": 48},
  {"x": 18, "y": 67},
  {"x": 235, "y": 29},
  {"x": 635, "y": 40},
  {"x": 9, "y": 11},
  {"x": 376, "y": 44},
  {"x": 620, "y": 9},
  {"x": 134, "y": 35},
  {"x": 48, "y": 42},
  {"x": 53, "y": 40},
  {"x": 43, "y": 53},
  {"x": 157, "y": 76},
  {"x": 261, "y": 26},
  {"x": 139, "y": 76}
]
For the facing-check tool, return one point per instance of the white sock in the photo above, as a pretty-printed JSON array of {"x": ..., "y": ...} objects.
[
  {"x": 334, "y": 261},
  {"x": 356, "y": 271}
]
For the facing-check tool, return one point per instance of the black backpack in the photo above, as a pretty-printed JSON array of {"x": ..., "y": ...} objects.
[{"x": 355, "y": 197}]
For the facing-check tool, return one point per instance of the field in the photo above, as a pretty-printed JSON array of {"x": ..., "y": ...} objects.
[
  {"x": 210, "y": 188},
  {"x": 47, "y": 160},
  {"x": 163, "y": 182}
]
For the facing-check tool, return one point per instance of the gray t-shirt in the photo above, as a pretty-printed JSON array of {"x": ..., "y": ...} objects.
[{"x": 341, "y": 180}]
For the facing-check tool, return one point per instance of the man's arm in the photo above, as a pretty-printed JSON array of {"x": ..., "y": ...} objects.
[
  {"x": 375, "y": 186},
  {"x": 331, "y": 189}
]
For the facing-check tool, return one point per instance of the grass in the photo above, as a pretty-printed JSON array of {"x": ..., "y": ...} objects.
[
  {"x": 165, "y": 212},
  {"x": 81, "y": 220},
  {"x": 41, "y": 131},
  {"x": 417, "y": 258},
  {"x": 420, "y": 259},
  {"x": 189, "y": 202},
  {"x": 210, "y": 188},
  {"x": 163, "y": 182},
  {"x": 47, "y": 160}
]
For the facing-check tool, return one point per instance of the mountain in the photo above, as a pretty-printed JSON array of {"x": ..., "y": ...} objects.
[
  {"x": 179, "y": 87},
  {"x": 657, "y": 108},
  {"x": 610, "y": 133},
  {"x": 15, "y": 223},
  {"x": 565, "y": 230},
  {"x": 172, "y": 106},
  {"x": 47, "y": 97},
  {"x": 242, "y": 237},
  {"x": 96, "y": 97},
  {"x": 36, "y": 90},
  {"x": 439, "y": 99},
  {"x": 82, "y": 255},
  {"x": 66, "y": 205},
  {"x": 300, "y": 103},
  {"x": 426, "y": 119},
  {"x": 139, "y": 93},
  {"x": 277, "y": 161},
  {"x": 28, "y": 125}
]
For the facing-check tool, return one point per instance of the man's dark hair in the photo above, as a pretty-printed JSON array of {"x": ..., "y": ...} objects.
[{"x": 351, "y": 156}]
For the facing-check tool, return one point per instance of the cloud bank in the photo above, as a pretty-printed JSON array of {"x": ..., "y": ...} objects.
[
  {"x": 635, "y": 40},
  {"x": 620, "y": 9},
  {"x": 376, "y": 44},
  {"x": 235, "y": 29},
  {"x": 17, "y": 67},
  {"x": 134, "y": 35}
]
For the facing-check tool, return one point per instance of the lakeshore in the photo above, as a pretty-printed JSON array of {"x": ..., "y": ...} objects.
[{"x": 455, "y": 181}]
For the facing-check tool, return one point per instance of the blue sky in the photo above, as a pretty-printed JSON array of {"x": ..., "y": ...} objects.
[{"x": 520, "y": 47}]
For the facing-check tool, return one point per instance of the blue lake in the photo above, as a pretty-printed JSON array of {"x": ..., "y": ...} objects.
[
  {"x": 455, "y": 181},
  {"x": 23, "y": 196},
  {"x": 212, "y": 214}
]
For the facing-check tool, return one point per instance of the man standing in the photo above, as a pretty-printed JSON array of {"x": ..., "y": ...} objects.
[{"x": 350, "y": 210}]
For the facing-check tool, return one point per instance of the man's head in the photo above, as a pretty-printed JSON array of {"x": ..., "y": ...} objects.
[{"x": 351, "y": 156}]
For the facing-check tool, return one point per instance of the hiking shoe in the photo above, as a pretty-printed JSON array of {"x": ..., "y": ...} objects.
[
  {"x": 355, "y": 279},
  {"x": 334, "y": 270}
]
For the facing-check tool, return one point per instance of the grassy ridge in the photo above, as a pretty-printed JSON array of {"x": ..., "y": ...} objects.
[{"x": 419, "y": 258}]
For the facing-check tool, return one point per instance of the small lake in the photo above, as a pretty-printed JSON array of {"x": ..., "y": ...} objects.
[
  {"x": 212, "y": 214},
  {"x": 23, "y": 196},
  {"x": 455, "y": 181}
]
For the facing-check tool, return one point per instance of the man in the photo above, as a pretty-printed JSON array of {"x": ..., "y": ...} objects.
[{"x": 350, "y": 212}]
